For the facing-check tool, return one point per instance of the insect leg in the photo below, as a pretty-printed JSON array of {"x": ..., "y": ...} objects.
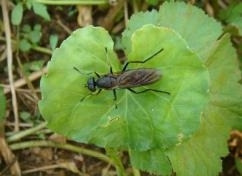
[
  {"x": 111, "y": 70},
  {"x": 114, "y": 95},
  {"x": 141, "y": 62},
  {"x": 90, "y": 95},
  {"x": 146, "y": 90},
  {"x": 75, "y": 68},
  {"x": 98, "y": 92},
  {"x": 115, "y": 98},
  {"x": 97, "y": 74}
]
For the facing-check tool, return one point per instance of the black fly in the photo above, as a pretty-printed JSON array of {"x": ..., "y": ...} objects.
[{"x": 126, "y": 79}]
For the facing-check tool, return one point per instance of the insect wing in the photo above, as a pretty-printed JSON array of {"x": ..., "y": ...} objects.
[{"x": 138, "y": 77}]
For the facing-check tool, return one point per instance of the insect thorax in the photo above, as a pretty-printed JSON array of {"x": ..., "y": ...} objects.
[{"x": 106, "y": 82}]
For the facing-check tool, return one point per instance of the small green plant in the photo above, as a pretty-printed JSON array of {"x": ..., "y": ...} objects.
[
  {"x": 185, "y": 132},
  {"x": 33, "y": 66},
  {"x": 29, "y": 37},
  {"x": 19, "y": 8},
  {"x": 53, "y": 41}
]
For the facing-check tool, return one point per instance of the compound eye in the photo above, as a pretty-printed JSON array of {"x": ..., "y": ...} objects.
[{"x": 92, "y": 88}]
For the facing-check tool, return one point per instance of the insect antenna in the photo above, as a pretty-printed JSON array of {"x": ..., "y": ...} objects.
[
  {"x": 107, "y": 61},
  {"x": 90, "y": 94},
  {"x": 83, "y": 98},
  {"x": 79, "y": 71}
]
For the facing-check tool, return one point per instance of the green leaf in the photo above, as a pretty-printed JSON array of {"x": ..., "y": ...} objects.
[
  {"x": 53, "y": 41},
  {"x": 41, "y": 10},
  {"x": 37, "y": 27},
  {"x": 154, "y": 161},
  {"x": 33, "y": 65},
  {"x": 153, "y": 2},
  {"x": 237, "y": 22},
  {"x": 201, "y": 155},
  {"x": 17, "y": 14},
  {"x": 137, "y": 21},
  {"x": 233, "y": 11},
  {"x": 26, "y": 28},
  {"x": 197, "y": 29},
  {"x": 34, "y": 36},
  {"x": 2, "y": 105},
  {"x": 224, "y": 108},
  {"x": 24, "y": 45},
  {"x": 226, "y": 92},
  {"x": 29, "y": 3},
  {"x": 25, "y": 116},
  {"x": 233, "y": 16},
  {"x": 168, "y": 119}
]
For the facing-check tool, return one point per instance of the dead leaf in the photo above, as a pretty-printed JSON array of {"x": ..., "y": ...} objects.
[
  {"x": 84, "y": 15},
  {"x": 7, "y": 154}
]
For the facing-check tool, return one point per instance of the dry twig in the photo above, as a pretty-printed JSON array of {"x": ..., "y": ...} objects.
[
  {"x": 109, "y": 20},
  {"x": 66, "y": 165},
  {"x": 10, "y": 62},
  {"x": 21, "y": 82},
  {"x": 6, "y": 152}
]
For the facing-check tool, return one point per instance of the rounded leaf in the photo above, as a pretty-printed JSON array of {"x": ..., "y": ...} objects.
[
  {"x": 140, "y": 121},
  {"x": 17, "y": 14},
  {"x": 197, "y": 29}
]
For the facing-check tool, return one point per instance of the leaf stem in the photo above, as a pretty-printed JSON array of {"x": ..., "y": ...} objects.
[
  {"x": 27, "y": 132},
  {"x": 136, "y": 172},
  {"x": 21, "y": 67},
  {"x": 65, "y": 146},
  {"x": 114, "y": 154},
  {"x": 42, "y": 49},
  {"x": 73, "y": 2},
  {"x": 36, "y": 48},
  {"x": 9, "y": 52}
]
